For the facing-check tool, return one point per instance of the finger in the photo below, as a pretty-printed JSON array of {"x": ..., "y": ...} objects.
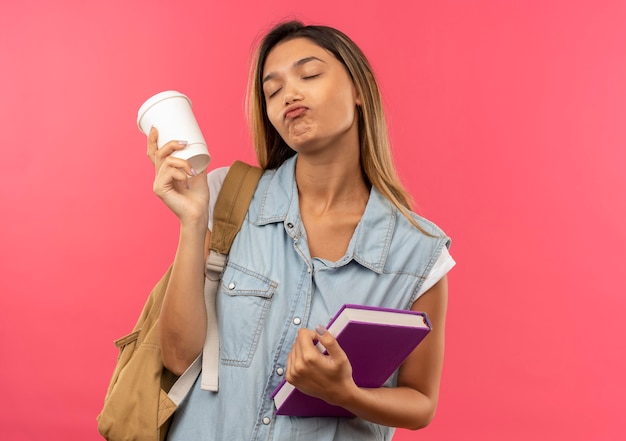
[
  {"x": 308, "y": 353},
  {"x": 291, "y": 358},
  {"x": 198, "y": 180},
  {"x": 178, "y": 163},
  {"x": 153, "y": 137},
  {"x": 197, "y": 177},
  {"x": 305, "y": 340},
  {"x": 172, "y": 172},
  {"x": 329, "y": 342},
  {"x": 295, "y": 360},
  {"x": 170, "y": 178},
  {"x": 171, "y": 167},
  {"x": 291, "y": 373},
  {"x": 295, "y": 353},
  {"x": 168, "y": 148}
]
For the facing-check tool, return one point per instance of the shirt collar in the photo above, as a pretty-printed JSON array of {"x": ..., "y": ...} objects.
[{"x": 371, "y": 240}]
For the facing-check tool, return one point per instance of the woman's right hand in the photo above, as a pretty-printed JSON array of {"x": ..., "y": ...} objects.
[{"x": 176, "y": 183}]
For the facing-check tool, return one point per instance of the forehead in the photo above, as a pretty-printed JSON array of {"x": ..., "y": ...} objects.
[{"x": 285, "y": 54}]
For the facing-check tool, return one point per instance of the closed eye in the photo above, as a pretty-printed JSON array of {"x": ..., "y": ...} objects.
[
  {"x": 306, "y": 77},
  {"x": 271, "y": 95}
]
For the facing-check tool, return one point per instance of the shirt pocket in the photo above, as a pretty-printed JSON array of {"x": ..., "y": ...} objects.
[{"x": 243, "y": 300}]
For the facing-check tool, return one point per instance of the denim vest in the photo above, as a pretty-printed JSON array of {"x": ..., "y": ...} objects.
[{"x": 271, "y": 287}]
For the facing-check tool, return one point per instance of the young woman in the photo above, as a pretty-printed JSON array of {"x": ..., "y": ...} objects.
[{"x": 329, "y": 224}]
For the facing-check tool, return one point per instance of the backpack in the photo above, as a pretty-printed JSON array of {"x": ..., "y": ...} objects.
[{"x": 143, "y": 395}]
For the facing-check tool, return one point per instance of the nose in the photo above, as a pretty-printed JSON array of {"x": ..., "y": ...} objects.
[{"x": 291, "y": 94}]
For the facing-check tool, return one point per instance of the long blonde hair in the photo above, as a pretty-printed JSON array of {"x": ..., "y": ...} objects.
[{"x": 376, "y": 159}]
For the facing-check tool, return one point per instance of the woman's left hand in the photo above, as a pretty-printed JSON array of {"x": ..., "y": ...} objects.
[{"x": 325, "y": 376}]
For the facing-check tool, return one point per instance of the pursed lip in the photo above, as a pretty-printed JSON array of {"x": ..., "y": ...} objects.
[{"x": 292, "y": 108}]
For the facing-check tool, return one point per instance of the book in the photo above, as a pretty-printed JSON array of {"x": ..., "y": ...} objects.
[{"x": 376, "y": 341}]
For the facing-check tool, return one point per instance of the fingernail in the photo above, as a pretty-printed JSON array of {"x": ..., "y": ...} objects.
[
  {"x": 194, "y": 172},
  {"x": 320, "y": 330},
  {"x": 187, "y": 184},
  {"x": 182, "y": 142}
]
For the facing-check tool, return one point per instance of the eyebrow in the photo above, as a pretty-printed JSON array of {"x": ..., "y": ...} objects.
[{"x": 298, "y": 63}]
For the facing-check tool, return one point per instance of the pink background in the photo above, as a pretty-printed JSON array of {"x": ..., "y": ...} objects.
[{"x": 508, "y": 120}]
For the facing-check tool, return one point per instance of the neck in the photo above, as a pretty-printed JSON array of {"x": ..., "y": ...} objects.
[{"x": 326, "y": 186}]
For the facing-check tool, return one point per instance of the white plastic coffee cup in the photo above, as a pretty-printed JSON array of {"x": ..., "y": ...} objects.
[{"x": 170, "y": 112}]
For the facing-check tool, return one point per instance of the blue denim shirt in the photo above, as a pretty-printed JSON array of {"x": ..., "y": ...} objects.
[{"x": 271, "y": 287}]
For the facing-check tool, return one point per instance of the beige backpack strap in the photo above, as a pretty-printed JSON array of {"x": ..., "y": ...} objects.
[
  {"x": 230, "y": 210},
  {"x": 232, "y": 204}
]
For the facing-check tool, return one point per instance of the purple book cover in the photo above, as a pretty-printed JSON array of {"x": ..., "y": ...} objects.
[{"x": 375, "y": 351}]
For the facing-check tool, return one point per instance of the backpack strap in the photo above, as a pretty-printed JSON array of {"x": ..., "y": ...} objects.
[
  {"x": 232, "y": 204},
  {"x": 230, "y": 211}
]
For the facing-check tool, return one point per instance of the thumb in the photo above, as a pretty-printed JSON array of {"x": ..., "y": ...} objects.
[{"x": 328, "y": 341}]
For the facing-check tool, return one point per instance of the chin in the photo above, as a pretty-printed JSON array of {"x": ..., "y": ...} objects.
[{"x": 302, "y": 141}]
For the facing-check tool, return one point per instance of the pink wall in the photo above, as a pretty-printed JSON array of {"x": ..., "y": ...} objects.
[{"x": 508, "y": 121}]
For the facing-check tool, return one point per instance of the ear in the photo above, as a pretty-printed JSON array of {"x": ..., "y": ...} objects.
[{"x": 357, "y": 96}]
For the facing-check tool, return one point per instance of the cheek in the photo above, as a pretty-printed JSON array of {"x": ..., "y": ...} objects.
[
  {"x": 344, "y": 108},
  {"x": 273, "y": 116},
  {"x": 343, "y": 97}
]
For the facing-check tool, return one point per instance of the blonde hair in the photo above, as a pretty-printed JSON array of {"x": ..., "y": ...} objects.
[{"x": 376, "y": 159}]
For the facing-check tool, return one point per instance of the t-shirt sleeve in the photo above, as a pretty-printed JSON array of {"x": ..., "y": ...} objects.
[
  {"x": 444, "y": 263},
  {"x": 215, "y": 179}
]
